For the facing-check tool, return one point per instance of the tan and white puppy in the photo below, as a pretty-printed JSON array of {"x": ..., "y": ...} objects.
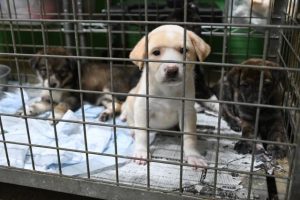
[{"x": 166, "y": 79}]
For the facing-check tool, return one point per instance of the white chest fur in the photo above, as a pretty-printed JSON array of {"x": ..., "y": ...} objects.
[{"x": 163, "y": 113}]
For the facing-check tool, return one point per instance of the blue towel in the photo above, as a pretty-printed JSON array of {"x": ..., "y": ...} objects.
[{"x": 70, "y": 135}]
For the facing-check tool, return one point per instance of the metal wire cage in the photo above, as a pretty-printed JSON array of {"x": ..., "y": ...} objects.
[{"x": 106, "y": 31}]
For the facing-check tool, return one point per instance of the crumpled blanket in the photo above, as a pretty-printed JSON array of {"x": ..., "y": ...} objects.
[{"x": 70, "y": 135}]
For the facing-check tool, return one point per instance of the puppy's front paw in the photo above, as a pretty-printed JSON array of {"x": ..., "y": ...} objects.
[
  {"x": 243, "y": 147},
  {"x": 277, "y": 151},
  {"x": 140, "y": 154},
  {"x": 58, "y": 116},
  {"x": 234, "y": 124},
  {"x": 235, "y": 127},
  {"x": 46, "y": 98},
  {"x": 105, "y": 116},
  {"x": 197, "y": 161},
  {"x": 30, "y": 110}
]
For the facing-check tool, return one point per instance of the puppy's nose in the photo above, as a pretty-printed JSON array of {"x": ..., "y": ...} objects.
[{"x": 171, "y": 71}]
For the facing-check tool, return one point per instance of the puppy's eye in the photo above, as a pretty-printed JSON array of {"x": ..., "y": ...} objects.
[
  {"x": 156, "y": 52},
  {"x": 181, "y": 50}
]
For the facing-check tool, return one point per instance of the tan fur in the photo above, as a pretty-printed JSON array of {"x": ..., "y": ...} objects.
[
  {"x": 166, "y": 113},
  {"x": 60, "y": 110}
]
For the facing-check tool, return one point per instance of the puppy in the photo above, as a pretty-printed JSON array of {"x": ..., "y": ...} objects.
[
  {"x": 63, "y": 73},
  {"x": 242, "y": 85},
  {"x": 166, "y": 79}
]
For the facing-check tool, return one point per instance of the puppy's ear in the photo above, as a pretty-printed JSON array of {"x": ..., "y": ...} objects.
[
  {"x": 201, "y": 47},
  {"x": 233, "y": 76},
  {"x": 138, "y": 52}
]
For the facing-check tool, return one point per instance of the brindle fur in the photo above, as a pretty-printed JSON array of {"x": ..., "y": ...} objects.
[{"x": 242, "y": 85}]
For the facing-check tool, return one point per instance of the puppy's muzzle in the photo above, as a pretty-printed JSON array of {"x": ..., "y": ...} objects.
[
  {"x": 171, "y": 72},
  {"x": 54, "y": 83}
]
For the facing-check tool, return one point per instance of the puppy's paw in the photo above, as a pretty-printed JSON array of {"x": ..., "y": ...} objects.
[
  {"x": 277, "y": 151},
  {"x": 197, "y": 161},
  {"x": 243, "y": 147},
  {"x": 30, "y": 110},
  {"x": 46, "y": 98},
  {"x": 234, "y": 125},
  {"x": 138, "y": 155},
  {"x": 58, "y": 116},
  {"x": 105, "y": 116}
]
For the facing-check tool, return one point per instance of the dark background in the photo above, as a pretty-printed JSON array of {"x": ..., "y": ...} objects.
[{"x": 16, "y": 192}]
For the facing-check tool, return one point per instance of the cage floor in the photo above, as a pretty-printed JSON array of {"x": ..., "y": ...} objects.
[
  {"x": 166, "y": 177},
  {"x": 230, "y": 182}
]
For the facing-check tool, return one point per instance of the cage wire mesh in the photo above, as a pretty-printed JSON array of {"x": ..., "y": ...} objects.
[{"x": 98, "y": 154}]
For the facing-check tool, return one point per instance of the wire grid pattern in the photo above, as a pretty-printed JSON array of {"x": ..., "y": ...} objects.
[{"x": 77, "y": 26}]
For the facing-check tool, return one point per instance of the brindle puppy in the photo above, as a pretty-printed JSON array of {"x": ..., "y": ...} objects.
[
  {"x": 63, "y": 73},
  {"x": 242, "y": 85}
]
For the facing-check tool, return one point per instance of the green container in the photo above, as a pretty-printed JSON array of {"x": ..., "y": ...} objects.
[
  {"x": 29, "y": 40},
  {"x": 244, "y": 44}
]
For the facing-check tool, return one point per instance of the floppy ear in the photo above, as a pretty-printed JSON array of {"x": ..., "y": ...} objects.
[
  {"x": 233, "y": 76},
  {"x": 201, "y": 47},
  {"x": 138, "y": 52}
]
